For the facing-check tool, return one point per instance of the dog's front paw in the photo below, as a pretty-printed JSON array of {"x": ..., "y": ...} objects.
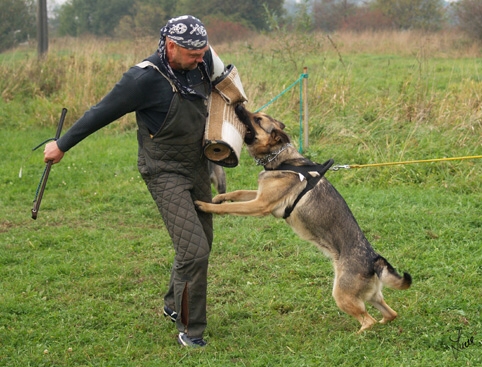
[
  {"x": 200, "y": 205},
  {"x": 218, "y": 199}
]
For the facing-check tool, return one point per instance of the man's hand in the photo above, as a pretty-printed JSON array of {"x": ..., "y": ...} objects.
[{"x": 52, "y": 152}]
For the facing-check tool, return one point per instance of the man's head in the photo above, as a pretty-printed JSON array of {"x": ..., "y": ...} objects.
[{"x": 185, "y": 41}]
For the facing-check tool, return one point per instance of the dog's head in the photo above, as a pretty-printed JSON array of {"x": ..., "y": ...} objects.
[{"x": 264, "y": 134}]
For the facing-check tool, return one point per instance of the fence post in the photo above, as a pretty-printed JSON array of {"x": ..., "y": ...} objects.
[
  {"x": 42, "y": 28},
  {"x": 305, "y": 107}
]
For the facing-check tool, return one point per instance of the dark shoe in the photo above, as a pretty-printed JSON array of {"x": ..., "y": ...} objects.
[
  {"x": 186, "y": 341},
  {"x": 168, "y": 312}
]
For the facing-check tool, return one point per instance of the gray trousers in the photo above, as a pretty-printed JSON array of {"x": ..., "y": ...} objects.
[
  {"x": 191, "y": 233},
  {"x": 175, "y": 177}
]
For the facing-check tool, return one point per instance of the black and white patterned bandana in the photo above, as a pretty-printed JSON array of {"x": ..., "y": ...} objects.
[{"x": 188, "y": 32}]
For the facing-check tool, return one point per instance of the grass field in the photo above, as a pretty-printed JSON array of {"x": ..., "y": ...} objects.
[{"x": 83, "y": 284}]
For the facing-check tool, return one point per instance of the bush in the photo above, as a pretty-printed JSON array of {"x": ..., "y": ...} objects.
[
  {"x": 221, "y": 30},
  {"x": 366, "y": 19}
]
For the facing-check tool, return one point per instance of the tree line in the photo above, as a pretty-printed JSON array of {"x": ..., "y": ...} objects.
[
  {"x": 121, "y": 17},
  {"x": 227, "y": 21}
]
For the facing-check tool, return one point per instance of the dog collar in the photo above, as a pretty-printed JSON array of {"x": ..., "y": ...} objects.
[{"x": 271, "y": 156}]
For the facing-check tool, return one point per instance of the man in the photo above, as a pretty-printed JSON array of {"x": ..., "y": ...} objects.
[{"x": 169, "y": 93}]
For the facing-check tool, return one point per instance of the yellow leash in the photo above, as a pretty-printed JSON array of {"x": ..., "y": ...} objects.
[{"x": 348, "y": 166}]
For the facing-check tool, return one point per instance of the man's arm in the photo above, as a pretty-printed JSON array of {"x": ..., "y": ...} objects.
[{"x": 122, "y": 99}]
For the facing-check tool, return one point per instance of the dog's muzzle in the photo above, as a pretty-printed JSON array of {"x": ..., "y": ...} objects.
[{"x": 245, "y": 117}]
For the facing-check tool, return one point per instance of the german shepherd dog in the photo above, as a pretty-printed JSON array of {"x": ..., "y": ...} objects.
[{"x": 316, "y": 212}]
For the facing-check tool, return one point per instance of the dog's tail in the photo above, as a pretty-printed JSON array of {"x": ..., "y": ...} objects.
[{"x": 389, "y": 276}]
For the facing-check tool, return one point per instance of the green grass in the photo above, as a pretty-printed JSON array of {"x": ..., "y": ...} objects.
[
  {"x": 83, "y": 284},
  {"x": 85, "y": 280}
]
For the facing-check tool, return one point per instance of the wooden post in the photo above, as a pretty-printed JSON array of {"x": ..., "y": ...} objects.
[
  {"x": 42, "y": 28},
  {"x": 305, "y": 108}
]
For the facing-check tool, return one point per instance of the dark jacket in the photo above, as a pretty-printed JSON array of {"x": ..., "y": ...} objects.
[{"x": 144, "y": 91}]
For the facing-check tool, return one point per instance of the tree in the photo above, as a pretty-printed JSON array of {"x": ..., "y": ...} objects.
[
  {"x": 469, "y": 16},
  {"x": 146, "y": 18},
  {"x": 299, "y": 15},
  {"x": 413, "y": 14},
  {"x": 127, "y": 17},
  {"x": 17, "y": 22},
  {"x": 250, "y": 12},
  {"x": 330, "y": 15},
  {"x": 98, "y": 17}
]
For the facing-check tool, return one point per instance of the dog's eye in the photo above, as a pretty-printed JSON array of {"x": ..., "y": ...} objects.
[{"x": 258, "y": 120}]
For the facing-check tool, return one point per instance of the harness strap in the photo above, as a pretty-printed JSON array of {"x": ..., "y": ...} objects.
[
  {"x": 144, "y": 64},
  {"x": 311, "y": 180}
]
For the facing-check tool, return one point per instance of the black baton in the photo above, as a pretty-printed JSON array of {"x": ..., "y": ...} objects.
[{"x": 45, "y": 176}]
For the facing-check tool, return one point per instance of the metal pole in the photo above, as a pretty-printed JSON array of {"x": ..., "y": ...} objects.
[
  {"x": 42, "y": 28},
  {"x": 305, "y": 109}
]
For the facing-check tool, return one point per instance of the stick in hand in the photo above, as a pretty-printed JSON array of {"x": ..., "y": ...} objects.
[{"x": 45, "y": 176}]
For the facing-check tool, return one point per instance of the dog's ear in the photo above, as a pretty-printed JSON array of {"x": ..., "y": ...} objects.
[
  {"x": 269, "y": 124},
  {"x": 280, "y": 136}
]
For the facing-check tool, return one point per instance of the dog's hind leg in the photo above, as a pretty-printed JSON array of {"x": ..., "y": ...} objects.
[
  {"x": 379, "y": 303},
  {"x": 355, "y": 307}
]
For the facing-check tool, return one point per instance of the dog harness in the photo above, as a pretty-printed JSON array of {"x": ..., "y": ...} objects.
[{"x": 305, "y": 172}]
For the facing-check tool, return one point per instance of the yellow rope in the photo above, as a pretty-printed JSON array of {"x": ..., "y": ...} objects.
[{"x": 335, "y": 168}]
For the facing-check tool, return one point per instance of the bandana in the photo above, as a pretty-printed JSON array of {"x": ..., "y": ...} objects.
[{"x": 188, "y": 32}]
